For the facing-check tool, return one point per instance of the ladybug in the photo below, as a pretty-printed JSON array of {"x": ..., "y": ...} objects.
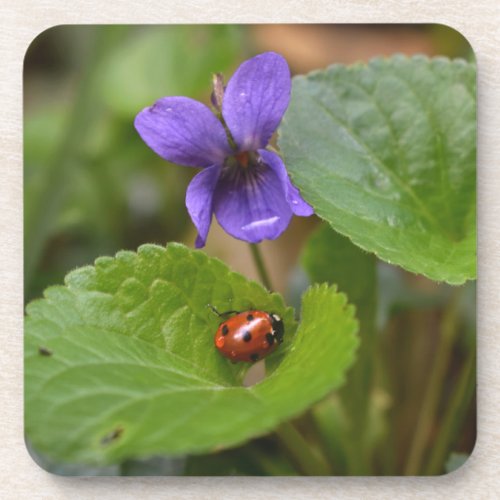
[{"x": 249, "y": 335}]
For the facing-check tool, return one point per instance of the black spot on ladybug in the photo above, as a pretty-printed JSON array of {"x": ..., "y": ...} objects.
[
  {"x": 44, "y": 351},
  {"x": 254, "y": 356},
  {"x": 270, "y": 338},
  {"x": 249, "y": 317},
  {"x": 225, "y": 330},
  {"x": 247, "y": 336},
  {"x": 112, "y": 436}
]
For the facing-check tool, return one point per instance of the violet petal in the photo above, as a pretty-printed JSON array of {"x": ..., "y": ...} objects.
[
  {"x": 184, "y": 131},
  {"x": 199, "y": 197},
  {"x": 250, "y": 203},
  {"x": 255, "y": 100},
  {"x": 293, "y": 197}
]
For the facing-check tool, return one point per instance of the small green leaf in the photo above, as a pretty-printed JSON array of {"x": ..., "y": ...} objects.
[
  {"x": 332, "y": 258},
  {"x": 386, "y": 153},
  {"x": 133, "y": 371}
]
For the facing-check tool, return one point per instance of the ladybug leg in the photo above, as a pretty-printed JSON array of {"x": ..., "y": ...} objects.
[{"x": 214, "y": 310}]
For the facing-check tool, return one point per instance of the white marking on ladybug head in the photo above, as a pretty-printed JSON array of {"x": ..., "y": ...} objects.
[{"x": 276, "y": 317}]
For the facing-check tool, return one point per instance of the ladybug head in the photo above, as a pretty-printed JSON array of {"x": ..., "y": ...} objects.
[{"x": 278, "y": 327}]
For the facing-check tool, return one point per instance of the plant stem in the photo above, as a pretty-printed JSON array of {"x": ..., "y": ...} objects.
[
  {"x": 434, "y": 389},
  {"x": 357, "y": 393},
  {"x": 259, "y": 264},
  {"x": 454, "y": 415},
  {"x": 329, "y": 423},
  {"x": 309, "y": 462}
]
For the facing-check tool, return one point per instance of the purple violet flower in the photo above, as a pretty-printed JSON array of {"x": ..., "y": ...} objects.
[{"x": 246, "y": 186}]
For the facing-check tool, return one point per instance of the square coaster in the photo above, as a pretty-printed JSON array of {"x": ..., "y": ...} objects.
[{"x": 250, "y": 250}]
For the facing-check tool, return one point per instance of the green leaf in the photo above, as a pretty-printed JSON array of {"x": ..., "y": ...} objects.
[
  {"x": 264, "y": 457},
  {"x": 120, "y": 363},
  {"x": 332, "y": 258},
  {"x": 386, "y": 153}
]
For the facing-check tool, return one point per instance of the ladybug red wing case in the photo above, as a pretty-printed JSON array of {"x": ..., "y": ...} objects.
[{"x": 249, "y": 336}]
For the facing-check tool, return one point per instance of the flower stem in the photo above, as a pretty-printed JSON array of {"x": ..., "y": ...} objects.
[
  {"x": 261, "y": 268},
  {"x": 435, "y": 383},
  {"x": 309, "y": 462}
]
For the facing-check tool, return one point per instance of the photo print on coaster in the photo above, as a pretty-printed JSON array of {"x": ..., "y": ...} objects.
[{"x": 250, "y": 250}]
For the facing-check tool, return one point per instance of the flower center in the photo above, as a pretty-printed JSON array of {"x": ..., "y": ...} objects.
[
  {"x": 243, "y": 158},
  {"x": 245, "y": 167}
]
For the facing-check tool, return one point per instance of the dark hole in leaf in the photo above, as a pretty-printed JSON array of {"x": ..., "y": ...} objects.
[
  {"x": 112, "y": 436},
  {"x": 44, "y": 351}
]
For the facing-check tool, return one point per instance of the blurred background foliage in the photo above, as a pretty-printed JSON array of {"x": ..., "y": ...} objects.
[{"x": 92, "y": 187}]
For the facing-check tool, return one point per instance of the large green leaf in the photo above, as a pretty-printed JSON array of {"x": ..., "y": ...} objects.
[
  {"x": 386, "y": 153},
  {"x": 120, "y": 362}
]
